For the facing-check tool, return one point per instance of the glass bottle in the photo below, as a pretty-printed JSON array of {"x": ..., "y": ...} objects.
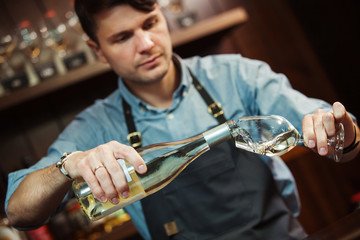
[
  {"x": 8, "y": 43},
  {"x": 40, "y": 56},
  {"x": 30, "y": 46},
  {"x": 164, "y": 162},
  {"x": 18, "y": 73},
  {"x": 62, "y": 39},
  {"x": 76, "y": 31}
]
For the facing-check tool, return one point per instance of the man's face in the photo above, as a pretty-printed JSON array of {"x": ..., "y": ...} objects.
[{"x": 136, "y": 44}]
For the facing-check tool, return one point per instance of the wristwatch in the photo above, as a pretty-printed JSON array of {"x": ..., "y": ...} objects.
[{"x": 61, "y": 164}]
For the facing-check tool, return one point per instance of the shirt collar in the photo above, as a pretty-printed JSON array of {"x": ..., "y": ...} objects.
[{"x": 139, "y": 106}]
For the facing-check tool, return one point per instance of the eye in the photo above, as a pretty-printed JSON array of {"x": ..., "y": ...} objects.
[
  {"x": 122, "y": 38},
  {"x": 150, "y": 23}
]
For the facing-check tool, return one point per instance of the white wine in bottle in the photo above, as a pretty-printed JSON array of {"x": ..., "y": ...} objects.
[{"x": 164, "y": 162}]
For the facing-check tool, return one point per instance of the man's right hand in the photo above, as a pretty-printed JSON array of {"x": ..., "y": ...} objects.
[{"x": 101, "y": 171}]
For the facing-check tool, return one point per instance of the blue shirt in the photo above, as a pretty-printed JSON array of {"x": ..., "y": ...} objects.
[{"x": 244, "y": 87}]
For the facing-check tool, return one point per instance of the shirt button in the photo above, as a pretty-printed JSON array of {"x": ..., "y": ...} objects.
[{"x": 170, "y": 116}]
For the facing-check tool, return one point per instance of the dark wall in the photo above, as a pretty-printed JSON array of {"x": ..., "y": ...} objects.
[{"x": 333, "y": 29}]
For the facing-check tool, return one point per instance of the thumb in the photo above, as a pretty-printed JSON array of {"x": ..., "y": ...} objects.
[{"x": 339, "y": 112}]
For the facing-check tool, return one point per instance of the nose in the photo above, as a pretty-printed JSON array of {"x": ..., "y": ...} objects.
[{"x": 144, "y": 41}]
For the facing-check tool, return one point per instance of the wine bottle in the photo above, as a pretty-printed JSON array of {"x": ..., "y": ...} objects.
[
  {"x": 164, "y": 162},
  {"x": 64, "y": 41}
]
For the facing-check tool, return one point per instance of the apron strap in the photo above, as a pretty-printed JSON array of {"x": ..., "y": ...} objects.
[
  {"x": 214, "y": 108},
  {"x": 134, "y": 137}
]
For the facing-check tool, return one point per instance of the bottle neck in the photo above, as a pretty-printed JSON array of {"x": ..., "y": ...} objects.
[{"x": 220, "y": 133}]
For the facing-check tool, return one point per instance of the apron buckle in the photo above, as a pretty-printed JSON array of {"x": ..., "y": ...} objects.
[
  {"x": 134, "y": 139},
  {"x": 215, "y": 109}
]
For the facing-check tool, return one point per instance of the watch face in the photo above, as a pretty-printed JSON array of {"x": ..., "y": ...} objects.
[{"x": 65, "y": 155}]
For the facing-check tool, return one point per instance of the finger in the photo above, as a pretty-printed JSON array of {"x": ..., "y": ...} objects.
[
  {"x": 339, "y": 112},
  {"x": 110, "y": 175},
  {"x": 106, "y": 184},
  {"x": 94, "y": 185},
  {"x": 83, "y": 168},
  {"x": 120, "y": 181},
  {"x": 128, "y": 153},
  {"x": 329, "y": 124},
  {"x": 320, "y": 132},
  {"x": 117, "y": 175},
  {"x": 308, "y": 131}
]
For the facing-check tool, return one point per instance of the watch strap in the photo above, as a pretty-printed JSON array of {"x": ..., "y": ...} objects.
[{"x": 61, "y": 164}]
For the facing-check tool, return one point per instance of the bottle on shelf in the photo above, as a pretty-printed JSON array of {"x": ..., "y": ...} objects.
[
  {"x": 164, "y": 162},
  {"x": 73, "y": 24},
  {"x": 45, "y": 66},
  {"x": 15, "y": 69},
  {"x": 17, "y": 74},
  {"x": 41, "y": 57},
  {"x": 30, "y": 43},
  {"x": 8, "y": 43},
  {"x": 7, "y": 46},
  {"x": 62, "y": 39}
]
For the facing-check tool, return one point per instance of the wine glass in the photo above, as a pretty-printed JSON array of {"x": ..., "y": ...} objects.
[
  {"x": 30, "y": 42},
  {"x": 54, "y": 34},
  {"x": 274, "y": 135},
  {"x": 7, "y": 46},
  {"x": 73, "y": 22},
  {"x": 59, "y": 36},
  {"x": 8, "y": 43}
]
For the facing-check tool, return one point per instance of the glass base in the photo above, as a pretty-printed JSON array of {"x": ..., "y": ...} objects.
[{"x": 336, "y": 144}]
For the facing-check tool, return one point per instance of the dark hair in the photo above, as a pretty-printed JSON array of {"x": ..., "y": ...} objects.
[{"x": 86, "y": 9}]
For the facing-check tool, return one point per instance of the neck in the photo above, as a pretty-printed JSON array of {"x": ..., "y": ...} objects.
[{"x": 160, "y": 93}]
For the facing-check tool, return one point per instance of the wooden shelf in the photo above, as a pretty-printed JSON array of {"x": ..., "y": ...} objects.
[
  {"x": 179, "y": 37},
  {"x": 47, "y": 86},
  {"x": 209, "y": 26}
]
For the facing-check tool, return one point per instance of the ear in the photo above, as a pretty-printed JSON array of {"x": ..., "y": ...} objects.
[{"x": 97, "y": 49}]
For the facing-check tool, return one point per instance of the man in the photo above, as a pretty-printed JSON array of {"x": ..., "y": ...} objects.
[{"x": 226, "y": 194}]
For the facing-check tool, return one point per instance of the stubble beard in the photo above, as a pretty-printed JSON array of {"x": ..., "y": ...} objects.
[{"x": 146, "y": 80}]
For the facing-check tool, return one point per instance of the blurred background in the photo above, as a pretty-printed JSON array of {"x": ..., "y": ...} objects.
[{"x": 48, "y": 75}]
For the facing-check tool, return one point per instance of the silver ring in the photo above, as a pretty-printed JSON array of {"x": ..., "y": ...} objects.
[{"x": 97, "y": 168}]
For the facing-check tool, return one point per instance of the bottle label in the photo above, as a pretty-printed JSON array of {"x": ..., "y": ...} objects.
[
  {"x": 46, "y": 70},
  {"x": 125, "y": 170},
  {"x": 75, "y": 61},
  {"x": 17, "y": 81}
]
